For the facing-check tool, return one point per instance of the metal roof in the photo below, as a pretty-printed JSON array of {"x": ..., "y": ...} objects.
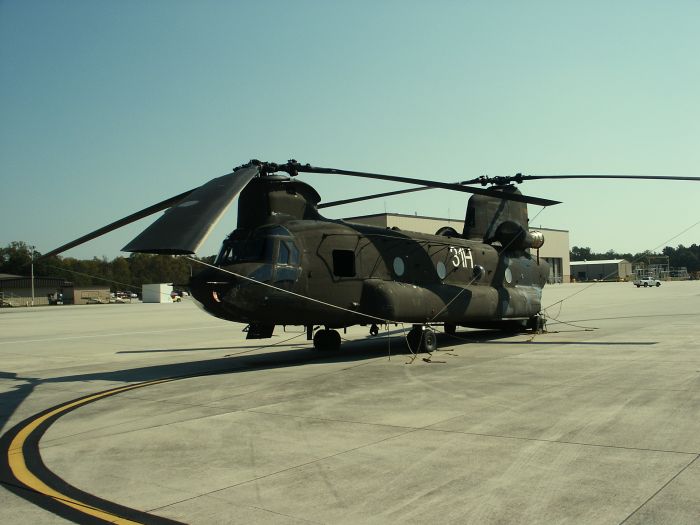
[{"x": 603, "y": 261}]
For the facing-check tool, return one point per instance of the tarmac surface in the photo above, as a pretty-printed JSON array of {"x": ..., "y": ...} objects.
[{"x": 595, "y": 421}]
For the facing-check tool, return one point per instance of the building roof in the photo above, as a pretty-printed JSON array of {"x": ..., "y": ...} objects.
[{"x": 602, "y": 261}]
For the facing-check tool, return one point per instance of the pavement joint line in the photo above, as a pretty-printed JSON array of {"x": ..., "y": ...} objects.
[
  {"x": 409, "y": 431},
  {"x": 184, "y": 406},
  {"x": 293, "y": 467},
  {"x": 150, "y": 427},
  {"x": 277, "y": 513},
  {"x": 660, "y": 489},
  {"x": 51, "y": 442},
  {"x": 556, "y": 441},
  {"x": 332, "y": 420},
  {"x": 222, "y": 411},
  {"x": 282, "y": 514}
]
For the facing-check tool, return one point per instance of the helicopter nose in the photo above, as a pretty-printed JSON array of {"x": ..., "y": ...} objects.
[
  {"x": 228, "y": 294},
  {"x": 209, "y": 287}
]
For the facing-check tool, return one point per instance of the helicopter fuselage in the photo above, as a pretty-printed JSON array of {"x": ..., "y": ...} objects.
[{"x": 337, "y": 274}]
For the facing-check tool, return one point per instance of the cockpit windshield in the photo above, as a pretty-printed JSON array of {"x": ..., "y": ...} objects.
[{"x": 258, "y": 246}]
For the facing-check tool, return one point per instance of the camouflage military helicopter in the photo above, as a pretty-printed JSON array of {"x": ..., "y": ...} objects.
[{"x": 286, "y": 264}]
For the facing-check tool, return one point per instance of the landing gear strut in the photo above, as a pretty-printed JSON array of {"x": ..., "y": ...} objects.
[
  {"x": 421, "y": 339},
  {"x": 537, "y": 323},
  {"x": 327, "y": 340}
]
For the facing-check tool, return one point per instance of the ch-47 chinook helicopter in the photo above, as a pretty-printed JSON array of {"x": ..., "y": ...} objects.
[{"x": 286, "y": 264}]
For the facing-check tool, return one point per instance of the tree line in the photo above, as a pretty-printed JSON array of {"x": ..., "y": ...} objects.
[
  {"x": 681, "y": 256},
  {"x": 121, "y": 273}
]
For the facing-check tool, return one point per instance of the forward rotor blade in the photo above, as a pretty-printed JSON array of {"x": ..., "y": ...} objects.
[
  {"x": 431, "y": 184},
  {"x": 183, "y": 227},
  {"x": 167, "y": 203},
  {"x": 370, "y": 197}
]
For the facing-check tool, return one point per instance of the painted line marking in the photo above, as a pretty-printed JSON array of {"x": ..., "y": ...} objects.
[{"x": 19, "y": 468}]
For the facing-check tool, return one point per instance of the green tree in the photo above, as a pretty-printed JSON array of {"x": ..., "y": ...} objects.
[
  {"x": 16, "y": 258},
  {"x": 580, "y": 254}
]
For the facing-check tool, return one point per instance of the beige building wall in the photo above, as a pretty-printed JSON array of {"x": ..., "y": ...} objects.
[{"x": 555, "y": 249}]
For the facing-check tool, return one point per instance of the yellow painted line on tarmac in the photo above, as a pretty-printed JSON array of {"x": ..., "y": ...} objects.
[{"x": 15, "y": 457}]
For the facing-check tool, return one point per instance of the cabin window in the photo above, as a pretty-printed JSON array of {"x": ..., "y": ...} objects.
[
  {"x": 283, "y": 253},
  {"x": 286, "y": 268},
  {"x": 344, "y": 263},
  {"x": 293, "y": 253},
  {"x": 287, "y": 253}
]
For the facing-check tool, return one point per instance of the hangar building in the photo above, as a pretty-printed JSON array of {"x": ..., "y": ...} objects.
[
  {"x": 555, "y": 249},
  {"x": 605, "y": 270},
  {"x": 16, "y": 290}
]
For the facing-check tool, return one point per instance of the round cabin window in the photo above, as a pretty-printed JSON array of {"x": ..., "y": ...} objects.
[
  {"x": 508, "y": 276},
  {"x": 441, "y": 270},
  {"x": 399, "y": 266}
]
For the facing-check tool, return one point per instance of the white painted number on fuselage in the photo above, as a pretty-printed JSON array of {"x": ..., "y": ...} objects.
[{"x": 461, "y": 257}]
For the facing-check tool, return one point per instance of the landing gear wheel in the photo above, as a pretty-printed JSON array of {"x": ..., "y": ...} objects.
[
  {"x": 537, "y": 324},
  {"x": 327, "y": 340},
  {"x": 373, "y": 330},
  {"x": 450, "y": 329},
  {"x": 421, "y": 339},
  {"x": 429, "y": 340}
]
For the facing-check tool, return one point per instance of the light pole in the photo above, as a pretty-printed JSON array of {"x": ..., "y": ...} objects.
[{"x": 32, "y": 271}]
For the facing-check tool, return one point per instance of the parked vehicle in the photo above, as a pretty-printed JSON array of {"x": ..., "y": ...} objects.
[{"x": 646, "y": 282}]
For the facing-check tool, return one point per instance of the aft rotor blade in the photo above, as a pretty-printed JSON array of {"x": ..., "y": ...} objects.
[
  {"x": 167, "y": 203},
  {"x": 430, "y": 183},
  {"x": 380, "y": 195},
  {"x": 638, "y": 177},
  {"x": 183, "y": 227}
]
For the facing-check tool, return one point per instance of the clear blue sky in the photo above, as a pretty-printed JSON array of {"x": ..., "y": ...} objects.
[{"x": 109, "y": 106}]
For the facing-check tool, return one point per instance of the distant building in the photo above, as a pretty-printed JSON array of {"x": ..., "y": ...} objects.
[
  {"x": 16, "y": 290},
  {"x": 91, "y": 294},
  {"x": 555, "y": 249},
  {"x": 605, "y": 270}
]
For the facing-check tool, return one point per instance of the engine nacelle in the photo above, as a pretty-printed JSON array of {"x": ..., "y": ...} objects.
[{"x": 513, "y": 236}]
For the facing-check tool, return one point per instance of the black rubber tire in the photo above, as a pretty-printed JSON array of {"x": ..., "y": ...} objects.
[
  {"x": 413, "y": 339},
  {"x": 429, "y": 341},
  {"x": 327, "y": 341}
]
